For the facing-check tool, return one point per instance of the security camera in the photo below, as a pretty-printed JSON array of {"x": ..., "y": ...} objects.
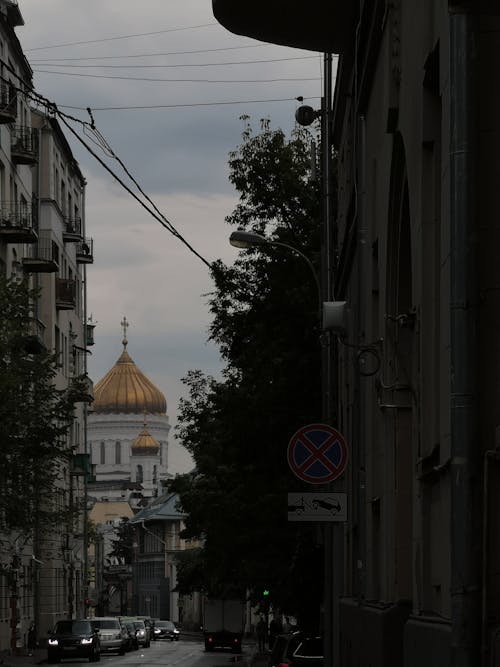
[{"x": 306, "y": 115}]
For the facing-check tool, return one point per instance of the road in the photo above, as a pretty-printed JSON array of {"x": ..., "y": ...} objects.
[{"x": 182, "y": 653}]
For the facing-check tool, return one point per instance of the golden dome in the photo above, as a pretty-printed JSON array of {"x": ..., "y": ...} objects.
[
  {"x": 125, "y": 389},
  {"x": 145, "y": 444}
]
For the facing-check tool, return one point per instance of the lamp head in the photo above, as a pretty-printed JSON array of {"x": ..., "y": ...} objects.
[{"x": 242, "y": 239}]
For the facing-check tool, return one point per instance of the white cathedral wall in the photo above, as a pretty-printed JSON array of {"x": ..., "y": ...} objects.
[{"x": 125, "y": 428}]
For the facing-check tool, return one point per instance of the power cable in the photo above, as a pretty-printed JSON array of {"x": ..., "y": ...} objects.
[
  {"x": 158, "y": 216},
  {"x": 52, "y": 110},
  {"x": 112, "y": 39},
  {"x": 138, "y": 78},
  {"x": 151, "y": 55},
  {"x": 240, "y": 62}
]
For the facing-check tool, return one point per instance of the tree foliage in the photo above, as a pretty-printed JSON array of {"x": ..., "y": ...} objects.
[
  {"x": 35, "y": 417},
  {"x": 123, "y": 546},
  {"x": 265, "y": 322}
]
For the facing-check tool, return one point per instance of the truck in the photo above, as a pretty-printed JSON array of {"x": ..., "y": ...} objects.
[{"x": 223, "y": 624}]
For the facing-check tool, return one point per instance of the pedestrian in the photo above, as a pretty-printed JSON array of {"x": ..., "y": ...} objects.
[
  {"x": 31, "y": 638},
  {"x": 275, "y": 628},
  {"x": 261, "y": 630}
]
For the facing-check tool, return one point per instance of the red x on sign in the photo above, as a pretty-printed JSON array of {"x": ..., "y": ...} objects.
[{"x": 317, "y": 453}]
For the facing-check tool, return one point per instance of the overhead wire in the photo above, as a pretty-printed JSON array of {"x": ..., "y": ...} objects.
[
  {"x": 151, "y": 79},
  {"x": 238, "y": 62},
  {"x": 53, "y": 110},
  {"x": 152, "y": 55},
  {"x": 188, "y": 104},
  {"x": 112, "y": 39}
]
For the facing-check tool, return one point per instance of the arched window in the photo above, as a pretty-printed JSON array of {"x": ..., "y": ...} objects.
[
  {"x": 118, "y": 452},
  {"x": 139, "y": 475},
  {"x": 103, "y": 453}
]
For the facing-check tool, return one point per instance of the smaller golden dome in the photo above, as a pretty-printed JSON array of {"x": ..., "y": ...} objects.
[{"x": 145, "y": 444}]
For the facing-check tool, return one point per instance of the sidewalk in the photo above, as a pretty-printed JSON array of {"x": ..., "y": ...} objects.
[{"x": 39, "y": 657}]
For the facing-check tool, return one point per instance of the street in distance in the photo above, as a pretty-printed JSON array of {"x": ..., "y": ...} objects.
[{"x": 314, "y": 506}]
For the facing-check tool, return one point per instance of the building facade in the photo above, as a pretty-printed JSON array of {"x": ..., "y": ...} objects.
[
  {"x": 42, "y": 229},
  {"x": 415, "y": 128}
]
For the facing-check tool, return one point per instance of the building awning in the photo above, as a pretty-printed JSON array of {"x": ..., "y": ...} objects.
[{"x": 317, "y": 25}]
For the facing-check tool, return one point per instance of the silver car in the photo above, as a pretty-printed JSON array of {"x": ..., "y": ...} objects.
[{"x": 111, "y": 634}]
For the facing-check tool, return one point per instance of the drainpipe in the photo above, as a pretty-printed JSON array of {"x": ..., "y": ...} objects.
[{"x": 465, "y": 583}]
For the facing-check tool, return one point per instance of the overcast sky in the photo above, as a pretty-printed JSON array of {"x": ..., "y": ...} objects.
[{"x": 90, "y": 54}]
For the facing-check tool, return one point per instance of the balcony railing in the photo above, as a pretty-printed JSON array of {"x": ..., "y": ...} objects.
[
  {"x": 41, "y": 257},
  {"x": 8, "y": 102},
  {"x": 24, "y": 145},
  {"x": 72, "y": 229},
  {"x": 65, "y": 294},
  {"x": 18, "y": 222},
  {"x": 85, "y": 252},
  {"x": 34, "y": 340},
  {"x": 89, "y": 331}
]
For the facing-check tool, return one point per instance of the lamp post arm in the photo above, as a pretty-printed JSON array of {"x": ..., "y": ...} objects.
[{"x": 309, "y": 264}]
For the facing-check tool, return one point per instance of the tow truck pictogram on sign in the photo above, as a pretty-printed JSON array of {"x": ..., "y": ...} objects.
[
  {"x": 316, "y": 506},
  {"x": 317, "y": 454}
]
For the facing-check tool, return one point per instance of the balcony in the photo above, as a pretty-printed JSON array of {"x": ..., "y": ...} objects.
[
  {"x": 17, "y": 222},
  {"x": 41, "y": 257},
  {"x": 89, "y": 334},
  {"x": 72, "y": 229},
  {"x": 34, "y": 339},
  {"x": 65, "y": 294},
  {"x": 24, "y": 145},
  {"x": 8, "y": 103},
  {"x": 321, "y": 26},
  {"x": 85, "y": 252},
  {"x": 13, "y": 13}
]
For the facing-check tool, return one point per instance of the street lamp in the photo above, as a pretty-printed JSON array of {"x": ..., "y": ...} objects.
[
  {"x": 242, "y": 239},
  {"x": 332, "y": 313}
]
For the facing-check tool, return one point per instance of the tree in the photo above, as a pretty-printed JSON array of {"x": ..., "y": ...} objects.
[
  {"x": 123, "y": 545},
  {"x": 35, "y": 417},
  {"x": 265, "y": 321}
]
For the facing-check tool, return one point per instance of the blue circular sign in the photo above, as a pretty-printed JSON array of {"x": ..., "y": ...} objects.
[{"x": 317, "y": 453}]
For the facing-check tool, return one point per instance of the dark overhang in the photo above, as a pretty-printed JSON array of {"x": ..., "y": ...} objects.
[{"x": 317, "y": 25}]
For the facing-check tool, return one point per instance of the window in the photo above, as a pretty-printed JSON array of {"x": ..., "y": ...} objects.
[
  {"x": 139, "y": 475},
  {"x": 118, "y": 452},
  {"x": 103, "y": 453}
]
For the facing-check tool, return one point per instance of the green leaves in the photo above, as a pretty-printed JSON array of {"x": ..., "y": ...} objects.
[
  {"x": 265, "y": 310},
  {"x": 34, "y": 419}
]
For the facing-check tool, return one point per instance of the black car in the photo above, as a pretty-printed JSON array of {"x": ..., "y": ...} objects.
[
  {"x": 166, "y": 630},
  {"x": 73, "y": 639},
  {"x": 297, "y": 649}
]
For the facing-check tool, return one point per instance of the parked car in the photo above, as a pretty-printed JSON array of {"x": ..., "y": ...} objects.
[
  {"x": 111, "y": 634},
  {"x": 73, "y": 639},
  {"x": 297, "y": 649},
  {"x": 166, "y": 630},
  {"x": 149, "y": 623},
  {"x": 142, "y": 633}
]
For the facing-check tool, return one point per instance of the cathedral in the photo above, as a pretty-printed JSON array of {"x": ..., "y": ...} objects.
[{"x": 128, "y": 434}]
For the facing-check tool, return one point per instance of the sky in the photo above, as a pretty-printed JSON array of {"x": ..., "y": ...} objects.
[{"x": 176, "y": 145}]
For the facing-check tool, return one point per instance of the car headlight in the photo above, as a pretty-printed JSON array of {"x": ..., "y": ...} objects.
[
  {"x": 141, "y": 633},
  {"x": 86, "y": 641},
  {"x": 157, "y": 631},
  {"x": 53, "y": 642}
]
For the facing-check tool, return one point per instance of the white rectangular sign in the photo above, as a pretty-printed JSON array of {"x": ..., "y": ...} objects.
[{"x": 314, "y": 506}]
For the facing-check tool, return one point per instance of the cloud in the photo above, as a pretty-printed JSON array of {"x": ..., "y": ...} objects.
[{"x": 178, "y": 154}]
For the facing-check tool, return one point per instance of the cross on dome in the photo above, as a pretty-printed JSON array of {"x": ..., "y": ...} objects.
[{"x": 125, "y": 326}]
